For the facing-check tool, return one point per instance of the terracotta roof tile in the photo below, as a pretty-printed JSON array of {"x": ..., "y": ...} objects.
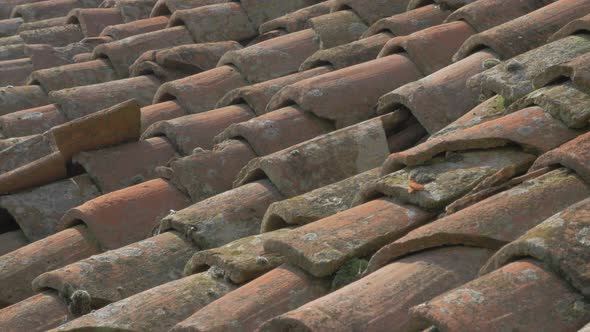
[
  {"x": 526, "y": 32},
  {"x": 382, "y": 298},
  {"x": 239, "y": 261},
  {"x": 296, "y": 20},
  {"x": 37, "y": 313},
  {"x": 320, "y": 248},
  {"x": 274, "y": 107},
  {"x": 276, "y": 292},
  {"x": 44, "y": 255},
  {"x": 484, "y": 224},
  {"x": 158, "y": 308},
  {"x": 126, "y": 215},
  {"x": 117, "y": 274},
  {"x": 206, "y": 173},
  {"x": 50, "y": 9},
  {"x": 214, "y": 222},
  {"x": 125, "y": 165},
  {"x": 503, "y": 299}
]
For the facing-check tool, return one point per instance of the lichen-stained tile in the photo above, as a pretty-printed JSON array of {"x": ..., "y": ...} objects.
[
  {"x": 226, "y": 217},
  {"x": 323, "y": 160},
  {"x": 167, "y": 7},
  {"x": 371, "y": 11},
  {"x": 577, "y": 70},
  {"x": 73, "y": 75},
  {"x": 322, "y": 247},
  {"x": 206, "y": 173},
  {"x": 198, "y": 130},
  {"x": 431, "y": 49},
  {"x": 523, "y": 295},
  {"x": 494, "y": 221},
  {"x": 272, "y": 58},
  {"x": 526, "y": 32},
  {"x": 44, "y": 255},
  {"x": 226, "y": 21},
  {"x": 514, "y": 78},
  {"x": 26, "y": 151},
  {"x": 380, "y": 301},
  {"x": 316, "y": 204},
  {"x": 337, "y": 28},
  {"x": 260, "y": 11},
  {"x": 403, "y": 24},
  {"x": 10, "y": 241},
  {"x": 276, "y": 130},
  {"x": 531, "y": 128},
  {"x": 560, "y": 242},
  {"x": 296, "y": 20},
  {"x": 131, "y": 10},
  {"x": 564, "y": 101},
  {"x": 257, "y": 96},
  {"x": 38, "y": 313},
  {"x": 46, "y": 56},
  {"x": 182, "y": 60},
  {"x": 486, "y": 14},
  {"x": 122, "y": 31},
  {"x": 348, "y": 95},
  {"x": 127, "y": 215},
  {"x": 348, "y": 54},
  {"x": 9, "y": 27},
  {"x": 14, "y": 72},
  {"x": 157, "y": 309},
  {"x": 432, "y": 100},
  {"x": 19, "y": 98},
  {"x": 61, "y": 35},
  {"x": 442, "y": 180},
  {"x": 573, "y": 155},
  {"x": 125, "y": 165},
  {"x": 239, "y": 261},
  {"x": 11, "y": 40},
  {"x": 34, "y": 25},
  {"x": 11, "y": 52},
  {"x": 93, "y": 20},
  {"x": 246, "y": 308},
  {"x": 85, "y": 100},
  {"x": 200, "y": 92},
  {"x": 117, "y": 274},
  {"x": 38, "y": 211},
  {"x": 122, "y": 53},
  {"x": 50, "y": 9}
]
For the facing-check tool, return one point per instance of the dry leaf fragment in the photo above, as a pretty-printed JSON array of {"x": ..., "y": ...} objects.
[{"x": 414, "y": 186}]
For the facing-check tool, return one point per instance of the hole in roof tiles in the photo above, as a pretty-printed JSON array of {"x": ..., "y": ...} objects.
[
  {"x": 166, "y": 97},
  {"x": 7, "y": 222},
  {"x": 161, "y": 9},
  {"x": 74, "y": 169}
]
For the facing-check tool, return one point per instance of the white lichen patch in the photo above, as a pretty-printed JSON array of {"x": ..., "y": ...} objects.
[
  {"x": 310, "y": 237},
  {"x": 464, "y": 296},
  {"x": 583, "y": 236},
  {"x": 527, "y": 276}
]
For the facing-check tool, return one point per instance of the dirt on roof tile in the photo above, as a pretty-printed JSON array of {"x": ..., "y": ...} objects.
[
  {"x": 37, "y": 313},
  {"x": 73, "y": 75},
  {"x": 22, "y": 97}
]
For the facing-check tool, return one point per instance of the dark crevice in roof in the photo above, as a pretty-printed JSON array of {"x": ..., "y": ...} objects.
[{"x": 7, "y": 222}]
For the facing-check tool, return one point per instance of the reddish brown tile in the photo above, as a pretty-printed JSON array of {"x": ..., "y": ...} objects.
[
  {"x": 322, "y": 247},
  {"x": 380, "y": 301},
  {"x": 19, "y": 98},
  {"x": 283, "y": 289},
  {"x": 73, "y": 75},
  {"x": 296, "y": 20},
  {"x": 31, "y": 121},
  {"x": 198, "y": 130},
  {"x": 127, "y": 164},
  {"x": 159, "y": 112},
  {"x": 125, "y": 30},
  {"x": 494, "y": 221},
  {"x": 216, "y": 221},
  {"x": 261, "y": 11},
  {"x": 41, "y": 256},
  {"x": 93, "y": 21},
  {"x": 11, "y": 241},
  {"x": 573, "y": 155},
  {"x": 579, "y": 25},
  {"x": 118, "y": 274},
  {"x": 522, "y": 295},
  {"x": 576, "y": 70},
  {"x": 414, "y": 20},
  {"x": 37, "y": 313},
  {"x": 44, "y": 10},
  {"x": 372, "y": 11}
]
